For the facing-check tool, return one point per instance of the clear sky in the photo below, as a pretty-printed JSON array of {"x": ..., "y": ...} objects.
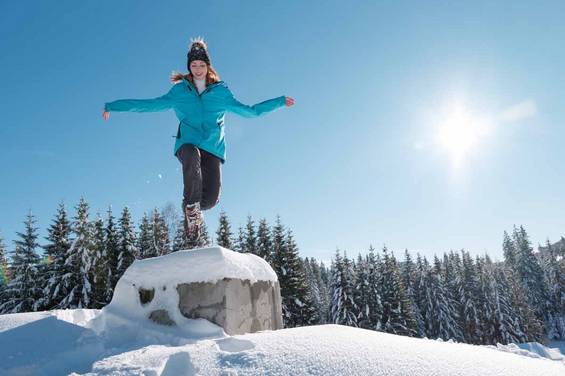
[{"x": 429, "y": 125}]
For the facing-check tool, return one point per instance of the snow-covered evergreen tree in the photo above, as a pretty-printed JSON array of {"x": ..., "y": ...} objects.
[
  {"x": 467, "y": 287},
  {"x": 3, "y": 266},
  {"x": 443, "y": 321},
  {"x": 409, "y": 279},
  {"x": 145, "y": 238},
  {"x": 112, "y": 254},
  {"x": 250, "y": 237},
  {"x": 264, "y": 241},
  {"x": 343, "y": 309},
  {"x": 127, "y": 249},
  {"x": 397, "y": 313},
  {"x": 23, "y": 290},
  {"x": 239, "y": 243},
  {"x": 161, "y": 243},
  {"x": 99, "y": 270},
  {"x": 297, "y": 303},
  {"x": 59, "y": 243},
  {"x": 530, "y": 274},
  {"x": 224, "y": 234},
  {"x": 180, "y": 240},
  {"x": 79, "y": 260},
  {"x": 554, "y": 275},
  {"x": 317, "y": 288}
]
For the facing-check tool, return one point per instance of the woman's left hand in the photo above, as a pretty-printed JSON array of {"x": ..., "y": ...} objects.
[{"x": 289, "y": 101}]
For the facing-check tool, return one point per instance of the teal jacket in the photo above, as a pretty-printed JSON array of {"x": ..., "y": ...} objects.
[{"x": 202, "y": 115}]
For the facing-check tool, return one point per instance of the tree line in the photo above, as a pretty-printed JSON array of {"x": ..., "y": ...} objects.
[{"x": 454, "y": 297}]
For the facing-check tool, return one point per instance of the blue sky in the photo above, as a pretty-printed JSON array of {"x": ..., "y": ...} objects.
[{"x": 429, "y": 125}]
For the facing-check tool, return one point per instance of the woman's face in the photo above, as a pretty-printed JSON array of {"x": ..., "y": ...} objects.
[{"x": 198, "y": 68}]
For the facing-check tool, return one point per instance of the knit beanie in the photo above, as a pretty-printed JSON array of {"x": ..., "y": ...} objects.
[{"x": 198, "y": 51}]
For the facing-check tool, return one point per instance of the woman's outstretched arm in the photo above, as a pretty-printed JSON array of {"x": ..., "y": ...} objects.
[
  {"x": 235, "y": 106},
  {"x": 161, "y": 103}
]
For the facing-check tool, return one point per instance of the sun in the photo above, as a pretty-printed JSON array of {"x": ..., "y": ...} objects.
[{"x": 460, "y": 132}]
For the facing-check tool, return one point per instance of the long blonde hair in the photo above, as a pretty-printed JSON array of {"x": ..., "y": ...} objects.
[{"x": 211, "y": 76}]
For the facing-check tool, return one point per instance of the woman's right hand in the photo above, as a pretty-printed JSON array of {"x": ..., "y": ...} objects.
[{"x": 106, "y": 115}]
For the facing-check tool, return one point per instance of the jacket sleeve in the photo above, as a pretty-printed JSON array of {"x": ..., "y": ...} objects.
[
  {"x": 161, "y": 103},
  {"x": 235, "y": 106}
]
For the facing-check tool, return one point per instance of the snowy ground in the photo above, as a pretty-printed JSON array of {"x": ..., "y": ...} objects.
[{"x": 63, "y": 342}]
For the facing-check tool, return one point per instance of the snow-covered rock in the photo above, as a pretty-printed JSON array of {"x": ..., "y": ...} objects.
[{"x": 238, "y": 292}]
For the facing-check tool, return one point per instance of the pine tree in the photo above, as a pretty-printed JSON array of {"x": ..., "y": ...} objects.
[
  {"x": 509, "y": 327},
  {"x": 99, "y": 270},
  {"x": 180, "y": 241},
  {"x": 297, "y": 306},
  {"x": 145, "y": 238},
  {"x": 278, "y": 241},
  {"x": 397, "y": 314},
  {"x": 554, "y": 276},
  {"x": 530, "y": 273},
  {"x": 409, "y": 280},
  {"x": 467, "y": 287},
  {"x": 317, "y": 289},
  {"x": 3, "y": 266},
  {"x": 127, "y": 250},
  {"x": 59, "y": 243},
  {"x": 79, "y": 260},
  {"x": 443, "y": 322},
  {"x": 224, "y": 234},
  {"x": 362, "y": 293},
  {"x": 250, "y": 237},
  {"x": 264, "y": 241},
  {"x": 239, "y": 244},
  {"x": 23, "y": 291},
  {"x": 343, "y": 306},
  {"x": 509, "y": 251},
  {"x": 160, "y": 234},
  {"x": 111, "y": 255}
]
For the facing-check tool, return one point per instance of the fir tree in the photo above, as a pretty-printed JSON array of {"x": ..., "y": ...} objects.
[
  {"x": 264, "y": 241},
  {"x": 180, "y": 241},
  {"x": 409, "y": 280},
  {"x": 127, "y": 250},
  {"x": 297, "y": 306},
  {"x": 443, "y": 318},
  {"x": 467, "y": 287},
  {"x": 250, "y": 237},
  {"x": 3, "y": 266},
  {"x": 343, "y": 306},
  {"x": 59, "y": 243},
  {"x": 278, "y": 241},
  {"x": 160, "y": 234},
  {"x": 397, "y": 314},
  {"x": 554, "y": 276},
  {"x": 99, "y": 270},
  {"x": 362, "y": 293},
  {"x": 23, "y": 291},
  {"x": 530, "y": 274},
  {"x": 145, "y": 239},
  {"x": 224, "y": 234},
  {"x": 111, "y": 255},
  {"x": 318, "y": 289},
  {"x": 79, "y": 260},
  {"x": 239, "y": 244}
]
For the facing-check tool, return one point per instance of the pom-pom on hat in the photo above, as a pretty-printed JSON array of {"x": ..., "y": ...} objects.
[{"x": 198, "y": 51}]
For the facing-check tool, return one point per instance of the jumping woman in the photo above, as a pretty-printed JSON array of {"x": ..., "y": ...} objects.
[{"x": 200, "y": 101}]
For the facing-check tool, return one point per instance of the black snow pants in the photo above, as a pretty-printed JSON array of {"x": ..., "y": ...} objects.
[{"x": 202, "y": 176}]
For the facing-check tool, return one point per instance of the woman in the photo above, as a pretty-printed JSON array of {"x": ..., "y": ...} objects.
[{"x": 200, "y": 100}]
